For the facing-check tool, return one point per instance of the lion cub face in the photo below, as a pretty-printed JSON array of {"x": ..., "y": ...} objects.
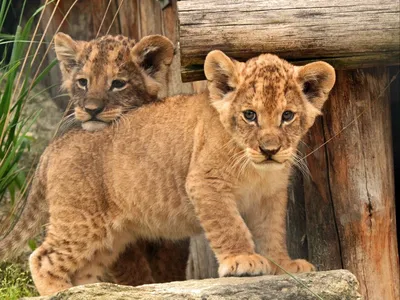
[
  {"x": 267, "y": 104},
  {"x": 110, "y": 75}
]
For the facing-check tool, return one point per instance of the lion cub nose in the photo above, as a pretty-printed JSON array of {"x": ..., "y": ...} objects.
[
  {"x": 269, "y": 151},
  {"x": 94, "y": 111}
]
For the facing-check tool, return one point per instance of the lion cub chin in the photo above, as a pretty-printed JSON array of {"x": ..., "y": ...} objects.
[
  {"x": 94, "y": 125},
  {"x": 217, "y": 162}
]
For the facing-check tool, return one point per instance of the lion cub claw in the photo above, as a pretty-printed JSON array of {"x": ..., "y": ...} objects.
[
  {"x": 244, "y": 265},
  {"x": 295, "y": 266}
]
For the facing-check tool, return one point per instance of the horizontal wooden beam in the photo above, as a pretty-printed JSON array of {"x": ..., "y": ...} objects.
[{"x": 355, "y": 34}]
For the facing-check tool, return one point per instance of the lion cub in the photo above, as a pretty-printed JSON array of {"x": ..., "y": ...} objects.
[
  {"x": 106, "y": 78},
  {"x": 216, "y": 162}
]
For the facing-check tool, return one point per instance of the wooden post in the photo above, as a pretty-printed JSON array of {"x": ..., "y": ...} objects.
[
  {"x": 202, "y": 262},
  {"x": 342, "y": 215},
  {"x": 357, "y": 168}
]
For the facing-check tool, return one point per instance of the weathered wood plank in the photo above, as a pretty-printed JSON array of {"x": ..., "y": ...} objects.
[
  {"x": 129, "y": 19},
  {"x": 322, "y": 236},
  {"x": 169, "y": 16},
  {"x": 354, "y": 177},
  {"x": 349, "y": 35},
  {"x": 296, "y": 227},
  {"x": 202, "y": 262}
]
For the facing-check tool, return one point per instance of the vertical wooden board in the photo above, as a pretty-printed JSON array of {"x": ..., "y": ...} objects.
[
  {"x": 129, "y": 19},
  {"x": 102, "y": 13},
  {"x": 202, "y": 262},
  {"x": 296, "y": 238},
  {"x": 170, "y": 29},
  {"x": 169, "y": 24},
  {"x": 322, "y": 235},
  {"x": 150, "y": 17},
  {"x": 361, "y": 180}
]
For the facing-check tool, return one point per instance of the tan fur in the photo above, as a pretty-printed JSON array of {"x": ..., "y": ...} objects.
[
  {"x": 142, "y": 66},
  {"x": 182, "y": 166}
]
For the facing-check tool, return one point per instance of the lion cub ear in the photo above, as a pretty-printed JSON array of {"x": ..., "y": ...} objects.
[
  {"x": 66, "y": 51},
  {"x": 316, "y": 79},
  {"x": 154, "y": 54},
  {"x": 222, "y": 75}
]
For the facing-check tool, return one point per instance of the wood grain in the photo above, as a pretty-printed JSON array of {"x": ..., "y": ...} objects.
[
  {"x": 354, "y": 34},
  {"x": 354, "y": 188},
  {"x": 322, "y": 235},
  {"x": 202, "y": 262}
]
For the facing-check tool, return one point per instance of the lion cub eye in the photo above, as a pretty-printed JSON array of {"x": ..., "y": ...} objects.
[
  {"x": 82, "y": 83},
  {"x": 250, "y": 115},
  {"x": 287, "y": 116},
  {"x": 117, "y": 84}
]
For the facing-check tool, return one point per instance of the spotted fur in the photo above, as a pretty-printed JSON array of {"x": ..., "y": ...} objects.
[
  {"x": 94, "y": 71},
  {"x": 143, "y": 66},
  {"x": 180, "y": 167}
]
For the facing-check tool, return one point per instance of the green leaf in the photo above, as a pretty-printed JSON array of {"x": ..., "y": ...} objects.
[{"x": 14, "y": 124}]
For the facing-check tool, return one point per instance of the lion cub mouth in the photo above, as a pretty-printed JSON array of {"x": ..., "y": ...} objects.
[{"x": 268, "y": 164}]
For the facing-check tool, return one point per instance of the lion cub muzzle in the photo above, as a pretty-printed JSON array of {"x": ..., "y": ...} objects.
[{"x": 94, "y": 115}]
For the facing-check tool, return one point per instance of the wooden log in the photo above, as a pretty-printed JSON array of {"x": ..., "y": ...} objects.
[
  {"x": 352, "y": 183},
  {"x": 346, "y": 34}
]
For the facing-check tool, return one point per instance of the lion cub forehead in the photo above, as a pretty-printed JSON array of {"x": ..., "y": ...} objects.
[
  {"x": 266, "y": 78},
  {"x": 107, "y": 49},
  {"x": 105, "y": 52},
  {"x": 267, "y": 66}
]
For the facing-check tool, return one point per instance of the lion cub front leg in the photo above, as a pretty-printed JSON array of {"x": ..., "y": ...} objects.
[
  {"x": 268, "y": 226},
  {"x": 225, "y": 229}
]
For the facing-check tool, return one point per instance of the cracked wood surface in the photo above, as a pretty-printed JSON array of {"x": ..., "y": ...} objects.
[
  {"x": 360, "y": 33},
  {"x": 350, "y": 193}
]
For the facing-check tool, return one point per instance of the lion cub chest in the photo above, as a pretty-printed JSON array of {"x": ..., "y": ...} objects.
[{"x": 258, "y": 187}]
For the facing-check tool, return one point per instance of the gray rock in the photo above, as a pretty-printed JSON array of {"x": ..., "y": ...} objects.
[{"x": 328, "y": 285}]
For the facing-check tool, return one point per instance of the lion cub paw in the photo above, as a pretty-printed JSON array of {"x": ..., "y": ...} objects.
[
  {"x": 244, "y": 265},
  {"x": 295, "y": 266}
]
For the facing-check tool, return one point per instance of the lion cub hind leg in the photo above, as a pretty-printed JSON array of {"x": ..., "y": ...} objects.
[
  {"x": 72, "y": 255},
  {"x": 50, "y": 270},
  {"x": 132, "y": 267}
]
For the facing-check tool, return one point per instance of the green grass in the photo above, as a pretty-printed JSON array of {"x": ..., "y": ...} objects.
[
  {"x": 15, "y": 282},
  {"x": 14, "y": 127},
  {"x": 18, "y": 78}
]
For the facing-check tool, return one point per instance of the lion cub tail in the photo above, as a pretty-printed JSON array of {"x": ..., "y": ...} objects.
[{"x": 34, "y": 215}]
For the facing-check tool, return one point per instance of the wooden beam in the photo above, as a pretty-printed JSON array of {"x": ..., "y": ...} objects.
[{"x": 349, "y": 35}]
